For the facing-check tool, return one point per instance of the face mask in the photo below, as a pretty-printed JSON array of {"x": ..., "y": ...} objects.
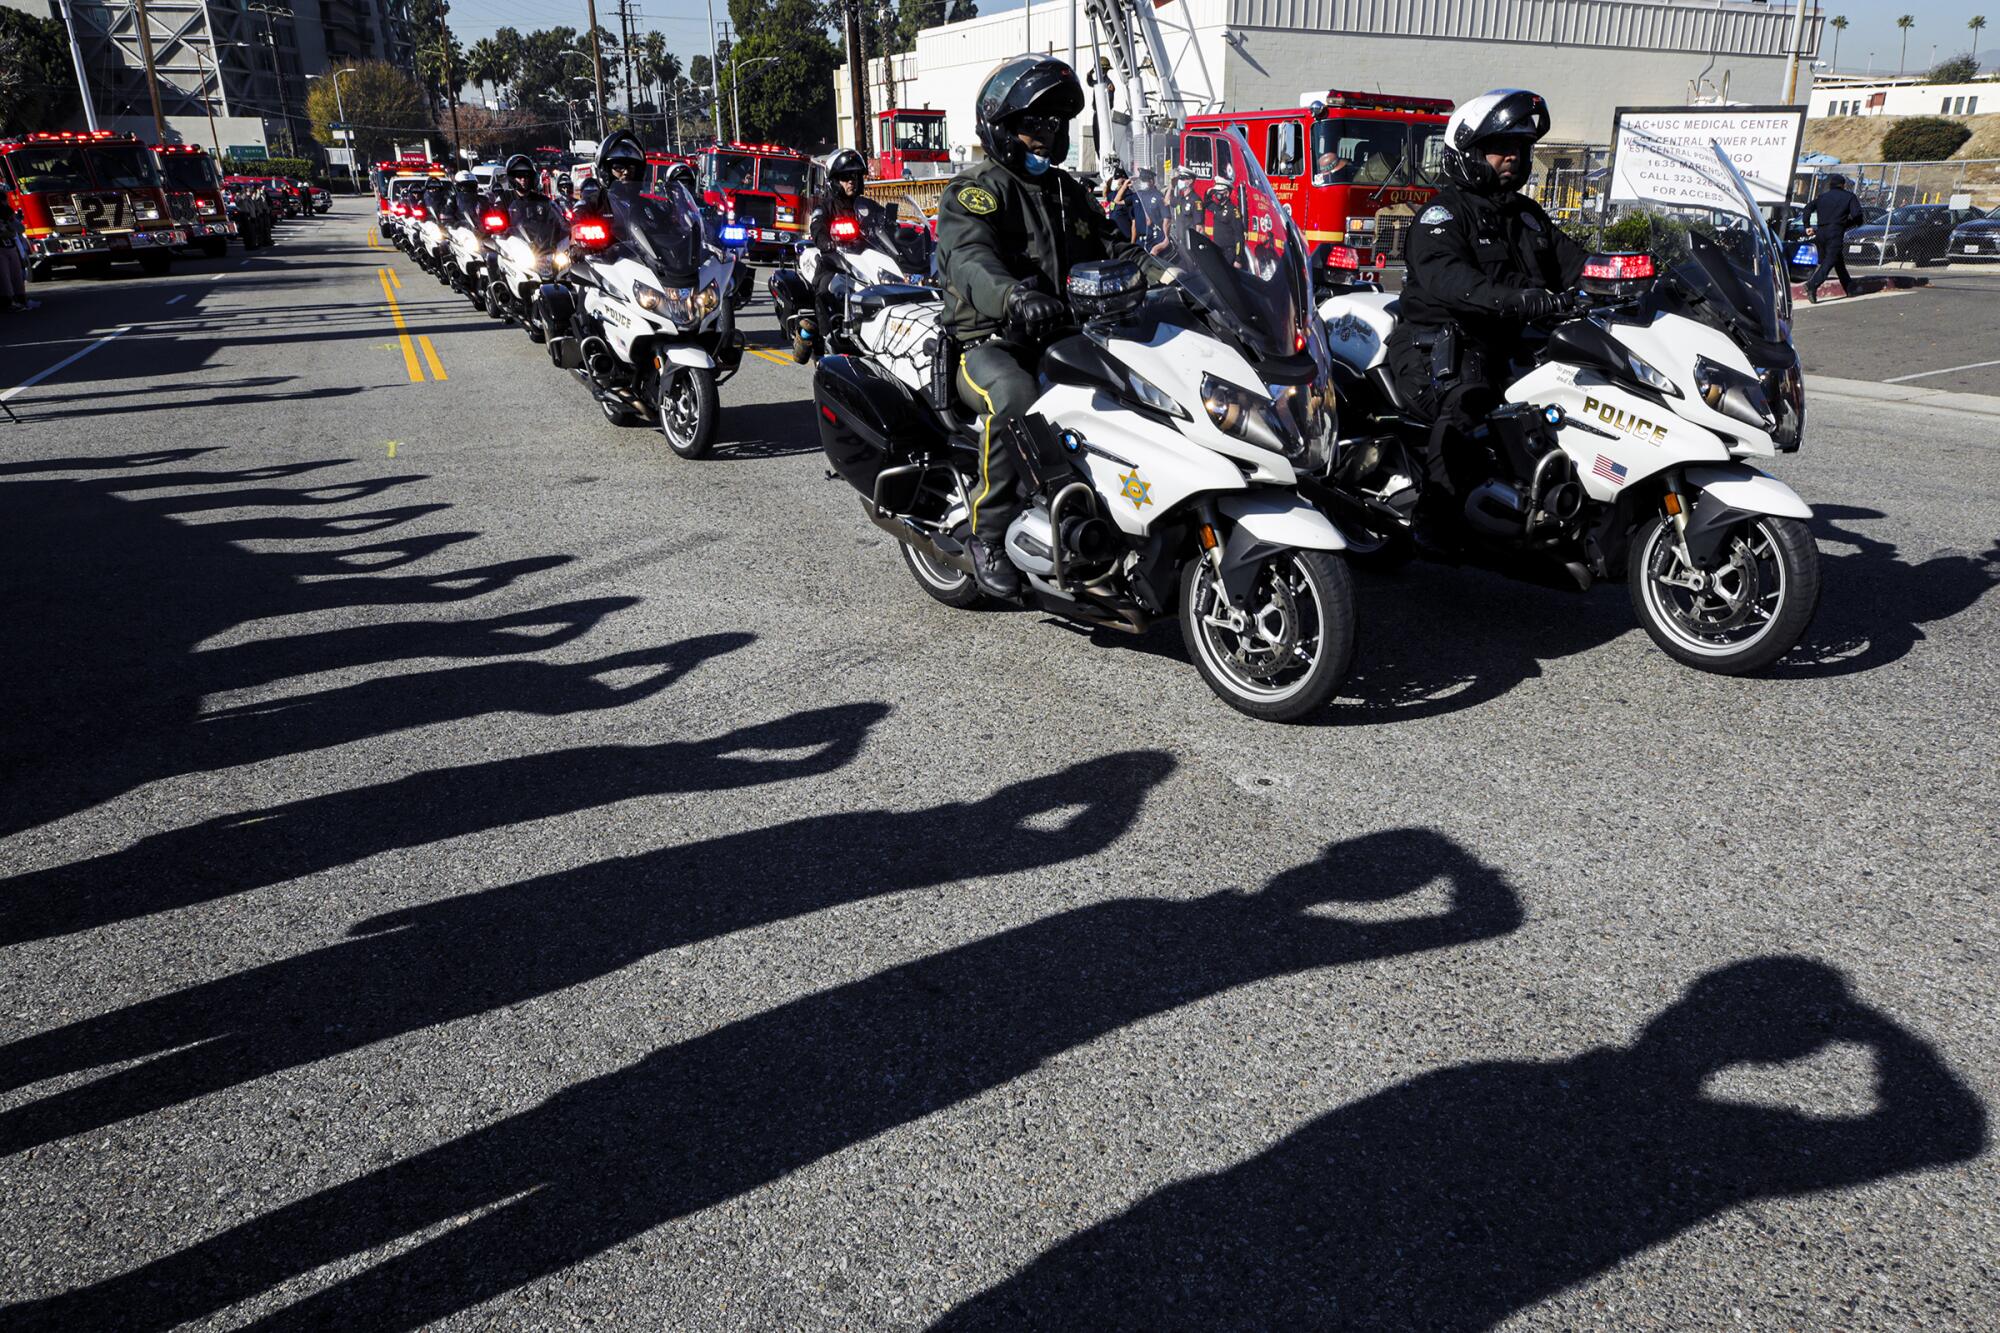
[{"x": 1036, "y": 164}]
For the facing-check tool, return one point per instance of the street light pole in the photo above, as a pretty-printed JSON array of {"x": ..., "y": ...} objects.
[
  {"x": 714, "y": 74},
  {"x": 340, "y": 109},
  {"x": 278, "y": 70},
  {"x": 597, "y": 70},
  {"x": 736, "y": 89}
]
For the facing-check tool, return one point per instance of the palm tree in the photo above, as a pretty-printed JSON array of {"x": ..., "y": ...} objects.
[
  {"x": 1839, "y": 25},
  {"x": 511, "y": 48},
  {"x": 1907, "y": 22},
  {"x": 483, "y": 65},
  {"x": 1976, "y": 23}
]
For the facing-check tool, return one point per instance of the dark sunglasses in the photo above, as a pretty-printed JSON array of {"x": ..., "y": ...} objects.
[{"x": 1045, "y": 128}]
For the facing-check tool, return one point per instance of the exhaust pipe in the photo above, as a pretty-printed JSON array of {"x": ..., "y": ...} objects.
[{"x": 597, "y": 358}]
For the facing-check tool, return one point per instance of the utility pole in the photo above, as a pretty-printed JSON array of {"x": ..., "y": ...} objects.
[
  {"x": 625, "y": 36},
  {"x": 857, "y": 76},
  {"x": 1792, "y": 61},
  {"x": 152, "y": 78},
  {"x": 76, "y": 56},
  {"x": 445, "y": 81},
  {"x": 714, "y": 74},
  {"x": 597, "y": 70},
  {"x": 278, "y": 70}
]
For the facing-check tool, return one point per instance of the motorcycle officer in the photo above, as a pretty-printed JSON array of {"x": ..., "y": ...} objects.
[
  {"x": 522, "y": 177},
  {"x": 1481, "y": 262},
  {"x": 842, "y": 197},
  {"x": 465, "y": 200},
  {"x": 1009, "y": 229}
]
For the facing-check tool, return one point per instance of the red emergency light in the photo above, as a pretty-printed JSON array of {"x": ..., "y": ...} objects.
[
  {"x": 845, "y": 229},
  {"x": 1349, "y": 100},
  {"x": 493, "y": 220},
  {"x": 1618, "y": 268},
  {"x": 590, "y": 233}
]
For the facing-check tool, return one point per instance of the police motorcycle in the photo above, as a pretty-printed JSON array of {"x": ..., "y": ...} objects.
[
  {"x": 897, "y": 247},
  {"x": 644, "y": 320},
  {"x": 525, "y": 256},
  {"x": 1628, "y": 446},
  {"x": 1161, "y": 461},
  {"x": 433, "y": 245},
  {"x": 473, "y": 219}
]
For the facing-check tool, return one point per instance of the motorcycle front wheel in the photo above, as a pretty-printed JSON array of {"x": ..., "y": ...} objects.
[
  {"x": 1741, "y": 616},
  {"x": 688, "y": 409},
  {"x": 1281, "y": 658}
]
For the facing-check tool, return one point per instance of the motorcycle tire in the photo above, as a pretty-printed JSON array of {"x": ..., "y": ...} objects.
[
  {"x": 1262, "y": 689},
  {"x": 533, "y": 325},
  {"x": 954, "y": 587},
  {"x": 688, "y": 407},
  {"x": 1699, "y": 630}
]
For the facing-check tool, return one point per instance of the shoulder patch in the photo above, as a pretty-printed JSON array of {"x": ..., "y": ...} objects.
[
  {"x": 1435, "y": 214},
  {"x": 976, "y": 199}
]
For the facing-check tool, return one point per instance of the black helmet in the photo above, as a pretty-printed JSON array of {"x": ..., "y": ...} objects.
[
  {"x": 521, "y": 165},
  {"x": 1041, "y": 84},
  {"x": 681, "y": 174},
  {"x": 846, "y": 162},
  {"x": 622, "y": 146},
  {"x": 1504, "y": 113}
]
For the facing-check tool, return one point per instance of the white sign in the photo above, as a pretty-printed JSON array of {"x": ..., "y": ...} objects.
[{"x": 1667, "y": 156}]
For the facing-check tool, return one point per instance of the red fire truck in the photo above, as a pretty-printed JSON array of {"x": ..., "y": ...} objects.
[
  {"x": 1354, "y": 168},
  {"x": 657, "y": 164},
  {"x": 761, "y": 187},
  {"x": 912, "y": 145},
  {"x": 194, "y": 196},
  {"x": 87, "y": 198}
]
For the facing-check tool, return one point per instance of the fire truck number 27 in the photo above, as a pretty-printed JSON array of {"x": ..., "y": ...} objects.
[{"x": 93, "y": 207}]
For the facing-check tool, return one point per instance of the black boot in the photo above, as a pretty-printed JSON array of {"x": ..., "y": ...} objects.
[{"x": 993, "y": 571}]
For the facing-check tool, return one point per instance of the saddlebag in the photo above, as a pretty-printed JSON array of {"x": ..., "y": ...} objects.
[{"x": 869, "y": 421}]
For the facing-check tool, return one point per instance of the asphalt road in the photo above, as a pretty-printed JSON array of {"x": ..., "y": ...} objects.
[
  {"x": 468, "y": 866},
  {"x": 1944, "y": 335}
]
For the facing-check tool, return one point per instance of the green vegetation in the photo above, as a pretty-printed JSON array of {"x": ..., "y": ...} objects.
[
  {"x": 37, "y": 83},
  {"x": 1924, "y": 139}
]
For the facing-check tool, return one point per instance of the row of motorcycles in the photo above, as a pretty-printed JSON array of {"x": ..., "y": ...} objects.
[
  {"x": 634, "y": 293},
  {"x": 1218, "y": 438},
  {"x": 1219, "y": 442}
]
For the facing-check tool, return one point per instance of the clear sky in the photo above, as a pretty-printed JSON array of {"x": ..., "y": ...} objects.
[{"x": 1872, "y": 25}]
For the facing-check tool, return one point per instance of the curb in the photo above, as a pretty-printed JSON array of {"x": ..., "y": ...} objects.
[{"x": 1903, "y": 395}]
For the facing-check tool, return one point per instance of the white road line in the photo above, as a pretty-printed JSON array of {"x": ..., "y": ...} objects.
[
  {"x": 172, "y": 299},
  {"x": 69, "y": 360},
  {"x": 1926, "y": 374}
]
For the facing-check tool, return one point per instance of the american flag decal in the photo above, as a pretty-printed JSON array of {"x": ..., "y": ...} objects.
[{"x": 1610, "y": 471}]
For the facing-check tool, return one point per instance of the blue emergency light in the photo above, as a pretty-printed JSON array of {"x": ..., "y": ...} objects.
[{"x": 734, "y": 234}]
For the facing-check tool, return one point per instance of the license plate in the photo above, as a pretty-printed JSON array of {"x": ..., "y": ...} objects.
[
  {"x": 1970, "y": 248},
  {"x": 1857, "y": 249},
  {"x": 1806, "y": 254}
]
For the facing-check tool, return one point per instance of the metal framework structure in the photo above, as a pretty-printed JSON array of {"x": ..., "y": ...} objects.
[{"x": 1140, "y": 100}]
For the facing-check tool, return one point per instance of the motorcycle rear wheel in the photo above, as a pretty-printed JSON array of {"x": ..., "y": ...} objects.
[
  {"x": 954, "y": 587},
  {"x": 1755, "y": 608},
  {"x": 688, "y": 408},
  {"x": 1292, "y": 653}
]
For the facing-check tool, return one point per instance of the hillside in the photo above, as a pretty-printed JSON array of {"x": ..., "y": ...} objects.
[{"x": 1859, "y": 138}]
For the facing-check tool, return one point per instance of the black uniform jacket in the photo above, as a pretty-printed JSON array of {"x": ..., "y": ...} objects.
[
  {"x": 1468, "y": 251},
  {"x": 996, "y": 228},
  {"x": 1834, "y": 212},
  {"x": 861, "y": 208}
]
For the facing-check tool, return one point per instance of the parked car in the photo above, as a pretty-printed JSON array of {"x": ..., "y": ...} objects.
[
  {"x": 322, "y": 198},
  {"x": 1976, "y": 240},
  {"x": 1914, "y": 233}
]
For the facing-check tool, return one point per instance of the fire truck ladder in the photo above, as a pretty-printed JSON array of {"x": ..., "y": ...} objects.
[{"x": 1154, "y": 106}]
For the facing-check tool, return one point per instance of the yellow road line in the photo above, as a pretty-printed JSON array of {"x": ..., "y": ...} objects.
[
  {"x": 398, "y": 282},
  {"x": 772, "y": 357},
  {"x": 402, "y": 331},
  {"x": 431, "y": 357},
  {"x": 373, "y": 244}
]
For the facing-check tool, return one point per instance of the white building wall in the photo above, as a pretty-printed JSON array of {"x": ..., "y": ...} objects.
[
  {"x": 1920, "y": 99},
  {"x": 1587, "y": 57}
]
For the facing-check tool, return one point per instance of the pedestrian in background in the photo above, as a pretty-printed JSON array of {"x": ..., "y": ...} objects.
[
  {"x": 1833, "y": 213},
  {"x": 1118, "y": 202},
  {"x": 13, "y": 277}
]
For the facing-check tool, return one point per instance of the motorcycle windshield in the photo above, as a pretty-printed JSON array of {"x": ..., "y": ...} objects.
[
  {"x": 1712, "y": 241},
  {"x": 665, "y": 229},
  {"x": 538, "y": 222},
  {"x": 1242, "y": 262}
]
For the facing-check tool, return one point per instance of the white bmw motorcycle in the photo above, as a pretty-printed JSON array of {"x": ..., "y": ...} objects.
[
  {"x": 1160, "y": 465},
  {"x": 649, "y": 328},
  {"x": 524, "y": 259},
  {"x": 1624, "y": 448},
  {"x": 466, "y": 234},
  {"x": 897, "y": 249}
]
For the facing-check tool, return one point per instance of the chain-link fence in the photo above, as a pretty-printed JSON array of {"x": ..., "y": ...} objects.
[{"x": 1974, "y": 183}]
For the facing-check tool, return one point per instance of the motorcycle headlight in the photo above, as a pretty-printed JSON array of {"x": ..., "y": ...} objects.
[
  {"x": 560, "y": 259},
  {"x": 1245, "y": 413},
  {"x": 649, "y": 297},
  {"x": 1736, "y": 395},
  {"x": 708, "y": 299},
  {"x": 1647, "y": 374}
]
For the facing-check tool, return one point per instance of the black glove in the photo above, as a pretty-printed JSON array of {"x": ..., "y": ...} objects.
[
  {"x": 1035, "y": 314},
  {"x": 1535, "y": 303}
]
